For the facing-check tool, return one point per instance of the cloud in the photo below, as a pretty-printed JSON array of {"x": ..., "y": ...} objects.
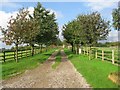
[
  {"x": 99, "y": 5},
  {"x": 5, "y": 17},
  {"x": 112, "y": 37},
  {"x": 58, "y": 14},
  {"x": 31, "y": 10}
]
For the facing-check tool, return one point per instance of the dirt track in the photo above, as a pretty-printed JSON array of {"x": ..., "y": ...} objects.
[{"x": 65, "y": 76}]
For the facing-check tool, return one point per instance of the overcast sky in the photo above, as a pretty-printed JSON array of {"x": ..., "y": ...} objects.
[{"x": 64, "y": 10}]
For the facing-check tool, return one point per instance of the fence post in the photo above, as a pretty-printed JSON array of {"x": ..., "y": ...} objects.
[
  {"x": 87, "y": 51},
  {"x": 89, "y": 54},
  {"x": 102, "y": 55},
  {"x": 14, "y": 55},
  {"x": 84, "y": 50},
  {"x": 34, "y": 51},
  {"x": 21, "y": 53},
  {"x": 113, "y": 57},
  {"x": 96, "y": 54},
  {"x": 4, "y": 56},
  {"x": 26, "y": 53}
]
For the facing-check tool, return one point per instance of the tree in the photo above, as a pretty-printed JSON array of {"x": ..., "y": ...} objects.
[
  {"x": 71, "y": 33},
  {"x": 15, "y": 31},
  {"x": 86, "y": 30},
  {"x": 93, "y": 28},
  {"x": 31, "y": 31},
  {"x": 116, "y": 18},
  {"x": 49, "y": 27}
]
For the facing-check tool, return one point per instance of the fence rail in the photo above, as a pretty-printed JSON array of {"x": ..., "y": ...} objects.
[
  {"x": 111, "y": 55},
  {"x": 11, "y": 55}
]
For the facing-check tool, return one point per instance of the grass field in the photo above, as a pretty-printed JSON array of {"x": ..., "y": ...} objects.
[
  {"x": 95, "y": 71},
  {"x": 57, "y": 60},
  {"x": 12, "y": 68}
]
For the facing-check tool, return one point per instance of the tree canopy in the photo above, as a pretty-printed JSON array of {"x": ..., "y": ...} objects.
[
  {"x": 86, "y": 29},
  {"x": 39, "y": 28},
  {"x": 116, "y": 18}
]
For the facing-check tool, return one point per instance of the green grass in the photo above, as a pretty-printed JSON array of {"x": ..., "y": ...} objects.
[
  {"x": 94, "y": 71},
  {"x": 57, "y": 61},
  {"x": 11, "y": 68}
]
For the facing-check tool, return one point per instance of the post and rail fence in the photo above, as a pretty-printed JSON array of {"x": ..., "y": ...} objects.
[
  {"x": 8, "y": 55},
  {"x": 104, "y": 55}
]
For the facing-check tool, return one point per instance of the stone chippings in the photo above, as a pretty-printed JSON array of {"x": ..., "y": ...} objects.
[{"x": 64, "y": 76}]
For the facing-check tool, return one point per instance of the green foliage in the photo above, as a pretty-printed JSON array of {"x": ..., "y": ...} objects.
[
  {"x": 116, "y": 18},
  {"x": 16, "y": 28},
  {"x": 87, "y": 30},
  {"x": 93, "y": 28},
  {"x": 39, "y": 28},
  {"x": 47, "y": 22},
  {"x": 95, "y": 71},
  {"x": 107, "y": 44}
]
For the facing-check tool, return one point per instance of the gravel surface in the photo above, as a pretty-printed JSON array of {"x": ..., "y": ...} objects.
[{"x": 64, "y": 76}]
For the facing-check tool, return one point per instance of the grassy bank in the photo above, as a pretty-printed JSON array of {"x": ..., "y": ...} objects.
[
  {"x": 94, "y": 71},
  {"x": 12, "y": 68},
  {"x": 57, "y": 60}
]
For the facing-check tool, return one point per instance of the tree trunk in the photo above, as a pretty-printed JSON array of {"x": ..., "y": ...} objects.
[
  {"x": 90, "y": 53},
  {"x": 32, "y": 49},
  {"x": 72, "y": 47},
  {"x": 16, "y": 52},
  {"x": 77, "y": 48},
  {"x": 46, "y": 48},
  {"x": 41, "y": 48}
]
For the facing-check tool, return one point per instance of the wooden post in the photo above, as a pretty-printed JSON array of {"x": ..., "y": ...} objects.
[
  {"x": 87, "y": 51},
  {"x": 89, "y": 54},
  {"x": 26, "y": 53},
  {"x": 21, "y": 53},
  {"x": 4, "y": 56},
  {"x": 34, "y": 51},
  {"x": 14, "y": 56},
  {"x": 84, "y": 51},
  {"x": 113, "y": 57},
  {"x": 96, "y": 54},
  {"x": 102, "y": 55}
]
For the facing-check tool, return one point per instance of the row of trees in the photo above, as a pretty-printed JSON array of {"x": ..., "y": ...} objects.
[
  {"x": 39, "y": 28},
  {"x": 88, "y": 29},
  {"x": 108, "y": 44}
]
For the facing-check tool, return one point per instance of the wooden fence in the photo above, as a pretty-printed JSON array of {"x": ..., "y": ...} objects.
[
  {"x": 104, "y": 55},
  {"x": 10, "y": 55}
]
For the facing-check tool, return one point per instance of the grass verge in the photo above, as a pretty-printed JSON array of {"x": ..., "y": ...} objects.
[
  {"x": 57, "y": 61},
  {"x": 12, "y": 68},
  {"x": 94, "y": 71}
]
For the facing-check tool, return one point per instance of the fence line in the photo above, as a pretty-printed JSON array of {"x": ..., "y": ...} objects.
[
  {"x": 103, "y": 54},
  {"x": 11, "y": 55}
]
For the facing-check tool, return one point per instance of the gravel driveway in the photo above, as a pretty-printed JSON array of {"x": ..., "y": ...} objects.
[{"x": 64, "y": 76}]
